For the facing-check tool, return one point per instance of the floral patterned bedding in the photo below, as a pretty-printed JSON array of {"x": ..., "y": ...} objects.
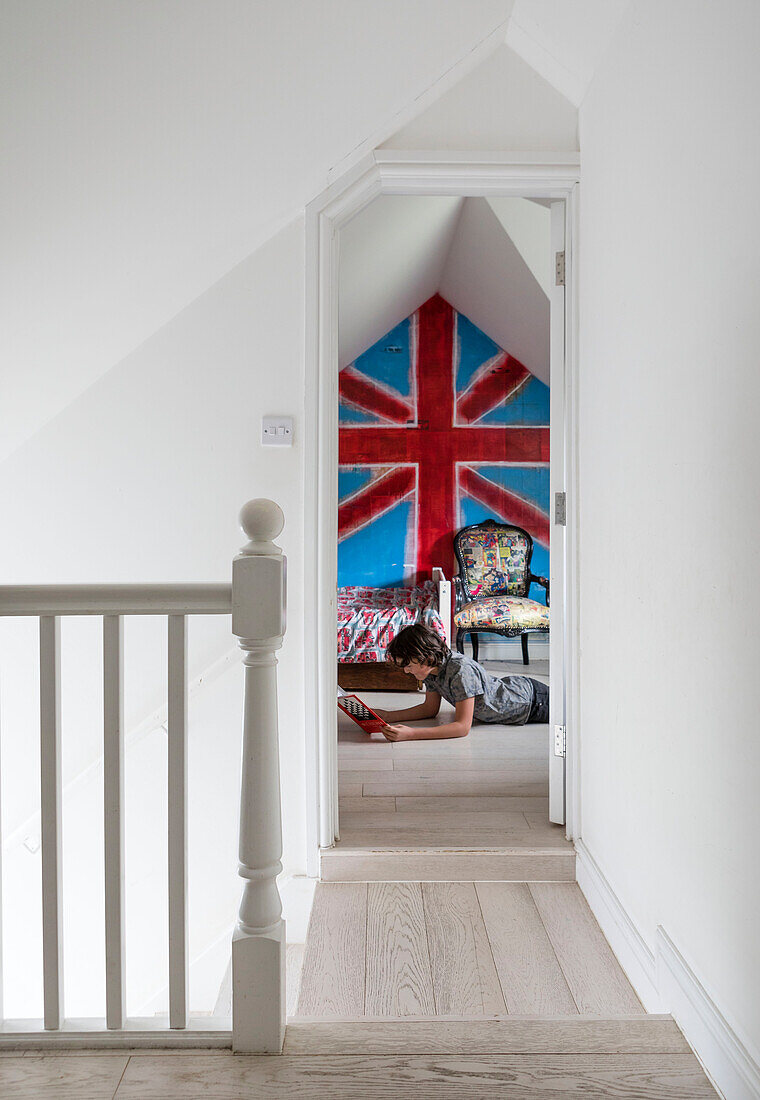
[{"x": 369, "y": 617}]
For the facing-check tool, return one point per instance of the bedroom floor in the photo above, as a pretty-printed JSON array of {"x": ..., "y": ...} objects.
[{"x": 484, "y": 795}]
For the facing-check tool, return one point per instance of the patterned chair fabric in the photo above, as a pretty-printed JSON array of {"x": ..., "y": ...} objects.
[
  {"x": 511, "y": 614},
  {"x": 493, "y": 584},
  {"x": 495, "y": 562}
]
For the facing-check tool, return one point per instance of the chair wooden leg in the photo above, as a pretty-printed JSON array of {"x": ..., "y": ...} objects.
[
  {"x": 474, "y": 640},
  {"x": 460, "y": 640},
  {"x": 524, "y": 640}
]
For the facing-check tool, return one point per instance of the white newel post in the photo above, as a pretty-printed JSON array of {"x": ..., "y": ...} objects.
[{"x": 258, "y": 944}]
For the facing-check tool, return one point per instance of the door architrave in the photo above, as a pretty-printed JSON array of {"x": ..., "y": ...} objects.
[{"x": 401, "y": 172}]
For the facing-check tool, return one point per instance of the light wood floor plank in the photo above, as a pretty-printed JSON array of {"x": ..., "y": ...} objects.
[
  {"x": 398, "y": 979},
  {"x": 454, "y": 836},
  {"x": 464, "y": 975},
  {"x": 351, "y": 762},
  {"x": 511, "y": 820},
  {"x": 468, "y": 783},
  {"x": 476, "y": 769},
  {"x": 471, "y": 803},
  {"x": 349, "y": 788},
  {"x": 56, "y": 1077},
  {"x": 510, "y": 1076},
  {"x": 509, "y": 762},
  {"x": 354, "y": 804},
  {"x": 511, "y": 865},
  {"x": 530, "y": 975},
  {"x": 594, "y": 975},
  {"x": 332, "y": 980},
  {"x": 509, "y": 1035}
]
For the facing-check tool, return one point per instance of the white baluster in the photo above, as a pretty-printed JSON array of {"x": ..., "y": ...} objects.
[
  {"x": 50, "y": 769},
  {"x": 113, "y": 816},
  {"x": 177, "y": 800},
  {"x": 258, "y": 944}
]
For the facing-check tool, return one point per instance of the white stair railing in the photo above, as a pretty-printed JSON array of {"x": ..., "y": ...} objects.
[
  {"x": 258, "y": 944},
  {"x": 256, "y": 601}
]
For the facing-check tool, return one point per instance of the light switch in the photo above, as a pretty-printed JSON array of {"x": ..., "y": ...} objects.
[{"x": 277, "y": 431}]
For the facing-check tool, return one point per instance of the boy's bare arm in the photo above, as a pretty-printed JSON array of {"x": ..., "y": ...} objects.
[
  {"x": 460, "y": 727},
  {"x": 426, "y": 709}
]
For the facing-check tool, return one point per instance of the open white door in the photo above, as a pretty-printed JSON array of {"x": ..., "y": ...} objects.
[{"x": 557, "y": 522}]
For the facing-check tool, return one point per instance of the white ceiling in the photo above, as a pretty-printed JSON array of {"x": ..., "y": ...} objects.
[
  {"x": 490, "y": 259},
  {"x": 150, "y": 147}
]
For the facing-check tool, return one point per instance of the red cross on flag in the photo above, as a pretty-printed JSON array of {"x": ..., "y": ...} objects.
[{"x": 436, "y": 444}]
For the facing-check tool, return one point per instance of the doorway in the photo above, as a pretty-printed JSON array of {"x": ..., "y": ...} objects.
[{"x": 555, "y": 191}]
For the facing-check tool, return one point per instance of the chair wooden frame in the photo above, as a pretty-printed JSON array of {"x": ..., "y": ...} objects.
[{"x": 464, "y": 595}]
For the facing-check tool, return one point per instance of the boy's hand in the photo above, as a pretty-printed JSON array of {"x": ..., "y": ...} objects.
[{"x": 397, "y": 733}]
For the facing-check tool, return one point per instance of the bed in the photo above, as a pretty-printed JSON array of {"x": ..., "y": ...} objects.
[{"x": 368, "y": 618}]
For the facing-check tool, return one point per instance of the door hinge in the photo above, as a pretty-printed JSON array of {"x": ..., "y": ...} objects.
[
  {"x": 560, "y": 509},
  {"x": 559, "y": 268},
  {"x": 560, "y": 740}
]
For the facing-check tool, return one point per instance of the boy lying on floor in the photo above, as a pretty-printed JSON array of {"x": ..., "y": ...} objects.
[{"x": 475, "y": 693}]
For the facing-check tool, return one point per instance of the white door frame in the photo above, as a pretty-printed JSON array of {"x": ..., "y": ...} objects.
[{"x": 393, "y": 172}]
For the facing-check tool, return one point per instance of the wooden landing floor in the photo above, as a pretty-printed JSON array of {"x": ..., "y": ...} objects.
[
  {"x": 392, "y": 949},
  {"x": 644, "y": 1058}
]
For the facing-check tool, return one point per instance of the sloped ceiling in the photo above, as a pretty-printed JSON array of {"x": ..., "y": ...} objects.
[
  {"x": 488, "y": 259},
  {"x": 564, "y": 40},
  {"x": 392, "y": 257},
  {"x": 150, "y": 147}
]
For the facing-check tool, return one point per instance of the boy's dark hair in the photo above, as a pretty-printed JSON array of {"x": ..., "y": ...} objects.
[{"x": 417, "y": 643}]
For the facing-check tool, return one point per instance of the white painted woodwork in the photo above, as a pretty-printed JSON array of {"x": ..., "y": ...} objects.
[
  {"x": 113, "y": 817},
  {"x": 177, "y": 821},
  {"x": 138, "y": 1033},
  {"x": 258, "y": 946},
  {"x": 386, "y": 171},
  {"x": 115, "y": 599},
  {"x": 558, "y": 532},
  {"x": 50, "y": 805},
  {"x": 258, "y": 619},
  {"x": 444, "y": 600}
]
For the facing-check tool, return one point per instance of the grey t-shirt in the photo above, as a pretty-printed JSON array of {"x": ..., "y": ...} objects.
[{"x": 459, "y": 677}]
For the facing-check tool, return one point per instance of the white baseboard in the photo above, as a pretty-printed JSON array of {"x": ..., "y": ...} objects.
[
  {"x": 632, "y": 950},
  {"x": 665, "y": 982},
  {"x": 725, "y": 1058}
]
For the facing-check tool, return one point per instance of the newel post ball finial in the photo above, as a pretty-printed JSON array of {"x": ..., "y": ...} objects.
[{"x": 262, "y": 521}]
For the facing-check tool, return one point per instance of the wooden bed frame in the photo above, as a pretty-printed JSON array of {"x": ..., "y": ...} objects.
[{"x": 358, "y": 676}]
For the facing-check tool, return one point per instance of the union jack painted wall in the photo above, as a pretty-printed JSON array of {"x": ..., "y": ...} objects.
[{"x": 439, "y": 428}]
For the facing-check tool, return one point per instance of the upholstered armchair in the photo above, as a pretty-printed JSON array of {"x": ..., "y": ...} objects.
[{"x": 492, "y": 587}]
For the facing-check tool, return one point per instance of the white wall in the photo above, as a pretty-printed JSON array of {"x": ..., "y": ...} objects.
[
  {"x": 149, "y": 147},
  {"x": 502, "y": 105},
  {"x": 142, "y": 478},
  {"x": 669, "y": 454}
]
